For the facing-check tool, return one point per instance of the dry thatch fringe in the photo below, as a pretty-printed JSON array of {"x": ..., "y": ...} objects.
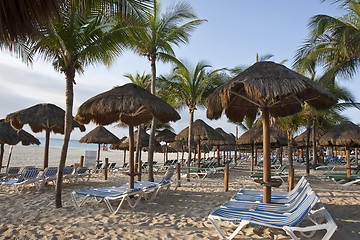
[
  {"x": 344, "y": 134},
  {"x": 22, "y": 18},
  {"x": 165, "y": 136},
  {"x": 129, "y": 104},
  {"x": 255, "y": 136},
  {"x": 41, "y": 117},
  {"x": 144, "y": 142},
  {"x": 228, "y": 138},
  {"x": 99, "y": 135},
  {"x": 9, "y": 135},
  {"x": 266, "y": 84},
  {"x": 201, "y": 132}
]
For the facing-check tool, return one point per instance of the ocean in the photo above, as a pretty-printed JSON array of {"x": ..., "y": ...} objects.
[{"x": 73, "y": 144}]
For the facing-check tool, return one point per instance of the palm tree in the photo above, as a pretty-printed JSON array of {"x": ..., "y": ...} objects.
[
  {"x": 72, "y": 42},
  {"x": 190, "y": 87},
  {"x": 333, "y": 43},
  {"x": 154, "y": 42}
]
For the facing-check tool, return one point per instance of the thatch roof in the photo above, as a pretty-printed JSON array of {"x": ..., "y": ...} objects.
[
  {"x": 129, "y": 104},
  {"x": 229, "y": 139},
  {"x": 165, "y": 148},
  {"x": 99, "y": 135},
  {"x": 344, "y": 134},
  {"x": 9, "y": 135},
  {"x": 202, "y": 132},
  {"x": 302, "y": 138},
  {"x": 41, "y": 117},
  {"x": 116, "y": 146},
  {"x": 255, "y": 136},
  {"x": 266, "y": 84},
  {"x": 144, "y": 141},
  {"x": 22, "y": 18},
  {"x": 165, "y": 136}
]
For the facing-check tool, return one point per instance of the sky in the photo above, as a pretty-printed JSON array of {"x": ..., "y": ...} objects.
[{"x": 235, "y": 31}]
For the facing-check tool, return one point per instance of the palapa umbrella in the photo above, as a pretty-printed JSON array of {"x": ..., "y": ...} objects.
[
  {"x": 166, "y": 136},
  {"x": 273, "y": 88},
  {"x": 202, "y": 133},
  {"x": 117, "y": 146},
  {"x": 99, "y": 135},
  {"x": 129, "y": 104},
  {"x": 8, "y": 135},
  {"x": 227, "y": 145},
  {"x": 44, "y": 116},
  {"x": 345, "y": 134},
  {"x": 254, "y": 136}
]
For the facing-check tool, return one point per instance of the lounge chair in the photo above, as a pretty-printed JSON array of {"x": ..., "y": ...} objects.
[
  {"x": 11, "y": 172},
  {"x": 48, "y": 175},
  {"x": 276, "y": 197},
  {"x": 27, "y": 176},
  {"x": 68, "y": 173},
  {"x": 289, "y": 222},
  {"x": 107, "y": 194},
  {"x": 80, "y": 172},
  {"x": 344, "y": 180},
  {"x": 278, "y": 173},
  {"x": 153, "y": 188}
]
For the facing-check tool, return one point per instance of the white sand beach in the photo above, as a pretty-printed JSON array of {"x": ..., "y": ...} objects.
[{"x": 175, "y": 215}]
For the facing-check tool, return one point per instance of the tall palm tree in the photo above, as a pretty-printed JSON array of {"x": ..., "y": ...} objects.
[
  {"x": 72, "y": 42},
  {"x": 155, "y": 41},
  {"x": 334, "y": 42},
  {"x": 190, "y": 87}
]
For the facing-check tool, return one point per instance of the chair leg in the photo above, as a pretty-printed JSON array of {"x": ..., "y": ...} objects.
[{"x": 242, "y": 224}]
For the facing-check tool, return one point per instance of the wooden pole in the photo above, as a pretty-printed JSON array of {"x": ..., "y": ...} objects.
[
  {"x": 106, "y": 168},
  {"x": 226, "y": 178},
  {"x": 356, "y": 157},
  {"x": 218, "y": 155},
  {"x": 199, "y": 155},
  {"x": 81, "y": 161},
  {"x": 178, "y": 177},
  {"x": 2, "y": 154},
  {"x": 131, "y": 156},
  {"x": 348, "y": 165},
  {"x": 98, "y": 154},
  {"x": 291, "y": 179},
  {"x": 124, "y": 157},
  {"x": 46, "y": 151},
  {"x": 266, "y": 153}
]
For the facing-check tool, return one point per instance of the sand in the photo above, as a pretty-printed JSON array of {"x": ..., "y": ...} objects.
[{"x": 176, "y": 215}]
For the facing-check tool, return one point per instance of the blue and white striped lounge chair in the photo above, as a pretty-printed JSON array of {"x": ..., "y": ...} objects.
[
  {"x": 276, "y": 197},
  {"x": 154, "y": 188},
  {"x": 11, "y": 172},
  {"x": 27, "y": 176},
  {"x": 81, "y": 172},
  {"x": 269, "y": 207},
  {"x": 289, "y": 222},
  {"x": 68, "y": 173},
  {"x": 48, "y": 175},
  {"x": 107, "y": 194}
]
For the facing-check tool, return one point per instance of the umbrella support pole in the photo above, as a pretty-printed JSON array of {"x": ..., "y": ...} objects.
[
  {"x": 266, "y": 152},
  {"x": 131, "y": 156},
  {"x": 291, "y": 179}
]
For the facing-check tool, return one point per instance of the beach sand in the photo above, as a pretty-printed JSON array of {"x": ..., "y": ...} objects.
[{"x": 176, "y": 215}]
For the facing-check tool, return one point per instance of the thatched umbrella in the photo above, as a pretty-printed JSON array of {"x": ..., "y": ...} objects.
[
  {"x": 118, "y": 147},
  {"x": 202, "y": 133},
  {"x": 276, "y": 90},
  {"x": 345, "y": 134},
  {"x": 131, "y": 105},
  {"x": 227, "y": 145},
  {"x": 45, "y": 116},
  {"x": 254, "y": 136},
  {"x": 99, "y": 135},
  {"x": 8, "y": 135},
  {"x": 166, "y": 136}
]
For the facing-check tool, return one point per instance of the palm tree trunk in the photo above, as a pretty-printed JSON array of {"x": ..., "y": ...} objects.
[
  {"x": 153, "y": 125},
  {"x": 70, "y": 76},
  {"x": 191, "y": 110},
  {"x": 46, "y": 151}
]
